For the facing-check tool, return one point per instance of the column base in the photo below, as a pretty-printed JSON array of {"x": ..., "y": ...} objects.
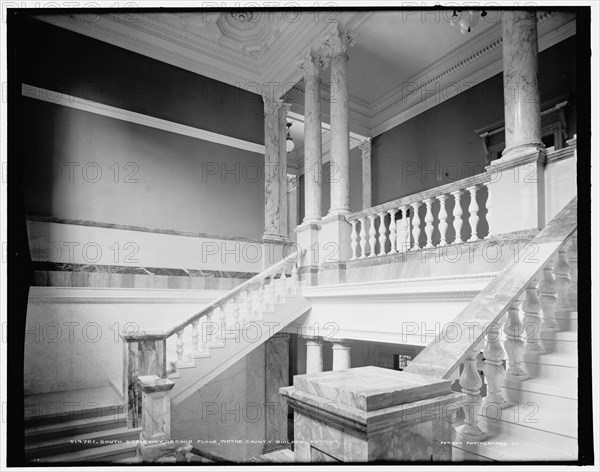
[
  {"x": 515, "y": 152},
  {"x": 338, "y": 211}
]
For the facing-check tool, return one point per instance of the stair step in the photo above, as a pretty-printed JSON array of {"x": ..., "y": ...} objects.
[
  {"x": 543, "y": 400},
  {"x": 71, "y": 443},
  {"x": 85, "y": 404},
  {"x": 551, "y": 371},
  {"x": 112, "y": 453},
  {"x": 531, "y": 420},
  {"x": 537, "y": 385},
  {"x": 566, "y": 336},
  {"x": 75, "y": 427},
  {"x": 504, "y": 447}
]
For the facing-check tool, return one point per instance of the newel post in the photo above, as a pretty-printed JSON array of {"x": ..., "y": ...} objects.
[
  {"x": 142, "y": 356},
  {"x": 155, "y": 437}
]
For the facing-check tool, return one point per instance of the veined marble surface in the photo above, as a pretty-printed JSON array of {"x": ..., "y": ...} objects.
[{"x": 371, "y": 388}]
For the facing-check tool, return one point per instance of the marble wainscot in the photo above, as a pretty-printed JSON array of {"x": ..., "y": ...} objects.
[{"x": 369, "y": 414}]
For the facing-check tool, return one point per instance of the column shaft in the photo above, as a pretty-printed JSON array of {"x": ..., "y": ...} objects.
[
  {"x": 314, "y": 356},
  {"x": 341, "y": 355},
  {"x": 275, "y": 170},
  {"x": 337, "y": 44},
  {"x": 365, "y": 147},
  {"x": 521, "y": 92},
  {"x": 311, "y": 66}
]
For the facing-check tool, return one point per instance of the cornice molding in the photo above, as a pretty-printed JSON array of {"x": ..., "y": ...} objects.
[
  {"x": 471, "y": 63},
  {"x": 77, "y": 103},
  {"x": 467, "y": 65}
]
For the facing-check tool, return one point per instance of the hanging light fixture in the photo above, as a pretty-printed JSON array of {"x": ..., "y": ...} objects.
[
  {"x": 465, "y": 19},
  {"x": 289, "y": 143}
]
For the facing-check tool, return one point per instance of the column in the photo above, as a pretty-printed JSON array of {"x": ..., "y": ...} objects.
[
  {"x": 521, "y": 93},
  {"x": 341, "y": 355},
  {"x": 365, "y": 147},
  {"x": 337, "y": 44},
  {"x": 292, "y": 205},
  {"x": 310, "y": 68},
  {"x": 277, "y": 375},
  {"x": 314, "y": 355},
  {"x": 275, "y": 170}
]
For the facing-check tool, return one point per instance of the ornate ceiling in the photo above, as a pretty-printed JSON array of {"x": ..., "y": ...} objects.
[{"x": 398, "y": 59}]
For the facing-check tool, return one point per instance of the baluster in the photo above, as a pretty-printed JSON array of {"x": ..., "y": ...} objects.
[
  {"x": 393, "y": 235},
  {"x": 488, "y": 206},
  {"x": 416, "y": 222},
  {"x": 280, "y": 289},
  {"x": 562, "y": 280},
  {"x": 294, "y": 280},
  {"x": 257, "y": 304},
  {"x": 354, "y": 240},
  {"x": 531, "y": 316},
  {"x": 382, "y": 233},
  {"x": 548, "y": 298},
  {"x": 403, "y": 231},
  {"x": 179, "y": 348},
  {"x": 428, "y": 223},
  {"x": 243, "y": 308},
  {"x": 372, "y": 234},
  {"x": 198, "y": 348},
  {"x": 513, "y": 343},
  {"x": 363, "y": 238},
  {"x": 442, "y": 216},
  {"x": 471, "y": 383},
  {"x": 473, "y": 211},
  {"x": 457, "y": 213},
  {"x": 494, "y": 368},
  {"x": 219, "y": 317},
  {"x": 269, "y": 296}
]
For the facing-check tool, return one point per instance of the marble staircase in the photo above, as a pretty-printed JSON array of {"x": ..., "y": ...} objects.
[
  {"x": 542, "y": 423},
  {"x": 87, "y": 425}
]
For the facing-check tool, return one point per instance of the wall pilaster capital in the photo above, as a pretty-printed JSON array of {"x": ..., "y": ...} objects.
[
  {"x": 365, "y": 147},
  {"x": 272, "y": 106}
]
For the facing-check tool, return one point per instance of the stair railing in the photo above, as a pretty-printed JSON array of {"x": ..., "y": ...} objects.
[
  {"x": 402, "y": 225},
  {"x": 544, "y": 281},
  {"x": 145, "y": 352}
]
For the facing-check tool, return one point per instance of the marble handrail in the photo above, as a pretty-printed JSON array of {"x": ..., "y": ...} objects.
[
  {"x": 442, "y": 359},
  {"x": 152, "y": 335}
]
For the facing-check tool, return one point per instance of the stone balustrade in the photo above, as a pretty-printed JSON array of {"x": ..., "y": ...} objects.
[
  {"x": 145, "y": 352},
  {"x": 510, "y": 322},
  {"x": 420, "y": 221}
]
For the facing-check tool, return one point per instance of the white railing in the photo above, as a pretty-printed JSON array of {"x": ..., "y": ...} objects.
[{"x": 422, "y": 220}]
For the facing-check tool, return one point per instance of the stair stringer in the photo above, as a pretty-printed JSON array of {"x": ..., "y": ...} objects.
[{"x": 221, "y": 358}]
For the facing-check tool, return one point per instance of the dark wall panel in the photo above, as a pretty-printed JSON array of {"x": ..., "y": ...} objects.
[{"x": 85, "y": 166}]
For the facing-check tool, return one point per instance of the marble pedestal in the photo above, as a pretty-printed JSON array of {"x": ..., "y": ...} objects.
[
  {"x": 334, "y": 248},
  {"x": 370, "y": 414},
  {"x": 517, "y": 187},
  {"x": 307, "y": 237}
]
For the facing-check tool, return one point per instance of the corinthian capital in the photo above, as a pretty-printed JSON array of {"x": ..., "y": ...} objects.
[
  {"x": 310, "y": 66},
  {"x": 338, "y": 42}
]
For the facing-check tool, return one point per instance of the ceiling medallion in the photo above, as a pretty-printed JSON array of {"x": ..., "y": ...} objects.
[{"x": 242, "y": 16}]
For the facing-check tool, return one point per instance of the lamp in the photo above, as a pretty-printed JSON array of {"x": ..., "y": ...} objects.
[
  {"x": 289, "y": 143},
  {"x": 465, "y": 20}
]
